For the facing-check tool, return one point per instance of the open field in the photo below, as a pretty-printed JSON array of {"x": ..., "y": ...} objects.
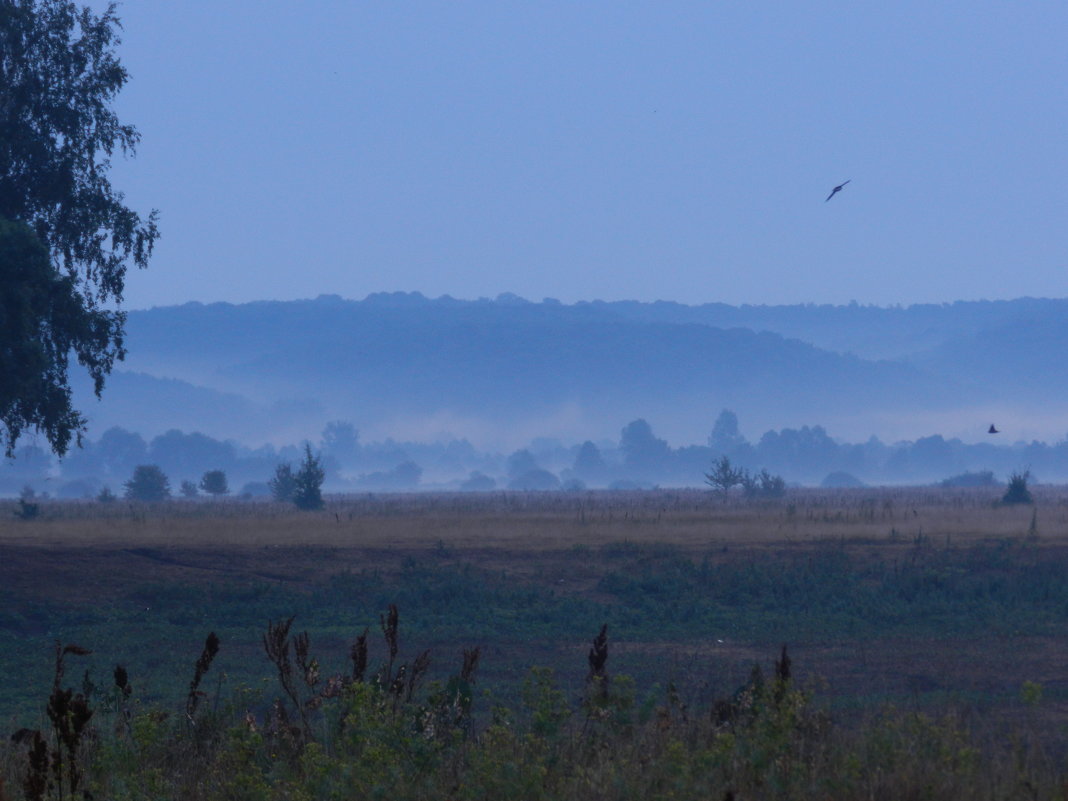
[
  {"x": 149, "y": 565},
  {"x": 918, "y": 598}
]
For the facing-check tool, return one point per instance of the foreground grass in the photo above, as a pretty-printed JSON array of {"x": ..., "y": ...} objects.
[{"x": 387, "y": 733}]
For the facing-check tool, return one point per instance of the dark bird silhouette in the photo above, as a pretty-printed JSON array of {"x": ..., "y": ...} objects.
[
  {"x": 992, "y": 430},
  {"x": 837, "y": 189}
]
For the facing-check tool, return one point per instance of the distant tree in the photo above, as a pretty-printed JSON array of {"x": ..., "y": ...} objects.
[
  {"x": 106, "y": 495},
  {"x": 408, "y": 474},
  {"x": 283, "y": 484},
  {"x": 1017, "y": 491},
  {"x": 148, "y": 483},
  {"x": 119, "y": 451},
  {"x": 28, "y": 509},
  {"x": 182, "y": 453},
  {"x": 803, "y": 450},
  {"x": 641, "y": 449},
  {"x": 78, "y": 488},
  {"x": 723, "y": 476},
  {"x": 404, "y": 476},
  {"x": 66, "y": 239},
  {"x": 521, "y": 462},
  {"x": 188, "y": 489},
  {"x": 589, "y": 464},
  {"x": 214, "y": 483},
  {"x": 31, "y": 463},
  {"x": 255, "y": 489},
  {"x": 840, "y": 479},
  {"x": 478, "y": 482},
  {"x": 341, "y": 440},
  {"x": 771, "y": 486},
  {"x": 982, "y": 478},
  {"x": 308, "y": 482},
  {"x": 537, "y": 480},
  {"x": 725, "y": 436}
]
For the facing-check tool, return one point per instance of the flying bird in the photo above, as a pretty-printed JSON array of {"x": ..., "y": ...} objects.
[
  {"x": 992, "y": 430},
  {"x": 837, "y": 189}
]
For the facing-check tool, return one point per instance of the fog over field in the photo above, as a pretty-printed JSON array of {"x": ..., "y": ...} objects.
[
  {"x": 403, "y": 392},
  {"x": 500, "y": 372}
]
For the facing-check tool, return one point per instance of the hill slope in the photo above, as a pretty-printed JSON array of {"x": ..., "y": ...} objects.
[{"x": 403, "y": 364}]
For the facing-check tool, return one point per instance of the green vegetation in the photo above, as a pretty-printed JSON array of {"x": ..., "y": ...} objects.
[
  {"x": 66, "y": 237},
  {"x": 648, "y": 593},
  {"x": 391, "y": 732}
]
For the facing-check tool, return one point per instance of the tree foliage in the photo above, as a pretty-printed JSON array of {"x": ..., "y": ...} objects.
[
  {"x": 148, "y": 483},
  {"x": 723, "y": 475},
  {"x": 42, "y": 319},
  {"x": 308, "y": 482},
  {"x": 66, "y": 237},
  {"x": 214, "y": 483},
  {"x": 283, "y": 484}
]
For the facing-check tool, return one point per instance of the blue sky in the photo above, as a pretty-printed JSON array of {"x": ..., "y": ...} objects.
[{"x": 580, "y": 150}]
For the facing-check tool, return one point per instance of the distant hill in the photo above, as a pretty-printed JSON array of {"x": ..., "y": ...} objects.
[{"x": 402, "y": 364}]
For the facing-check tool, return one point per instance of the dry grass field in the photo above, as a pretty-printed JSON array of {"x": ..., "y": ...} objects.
[
  {"x": 84, "y": 556},
  {"x": 88, "y": 551}
]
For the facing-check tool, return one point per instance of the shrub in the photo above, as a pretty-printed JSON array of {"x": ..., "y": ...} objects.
[
  {"x": 536, "y": 480},
  {"x": 983, "y": 478},
  {"x": 28, "y": 508},
  {"x": 762, "y": 485},
  {"x": 840, "y": 479},
  {"x": 1017, "y": 491}
]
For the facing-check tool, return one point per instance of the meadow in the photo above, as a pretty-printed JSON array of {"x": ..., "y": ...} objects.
[{"x": 924, "y": 631}]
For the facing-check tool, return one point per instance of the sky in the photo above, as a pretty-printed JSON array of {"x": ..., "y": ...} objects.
[{"x": 579, "y": 150}]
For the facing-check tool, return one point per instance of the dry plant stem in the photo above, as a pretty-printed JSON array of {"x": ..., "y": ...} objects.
[
  {"x": 598, "y": 658},
  {"x": 123, "y": 714},
  {"x": 470, "y": 663},
  {"x": 211, "y": 648},
  {"x": 419, "y": 669},
  {"x": 276, "y": 644},
  {"x": 69, "y": 714},
  {"x": 389, "y": 624},
  {"x": 358, "y": 655}
]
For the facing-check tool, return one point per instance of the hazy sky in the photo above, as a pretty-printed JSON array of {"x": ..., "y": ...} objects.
[{"x": 579, "y": 150}]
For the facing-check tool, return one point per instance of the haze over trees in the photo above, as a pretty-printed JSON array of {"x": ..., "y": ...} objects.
[
  {"x": 66, "y": 237},
  {"x": 637, "y": 458},
  {"x": 483, "y": 370}
]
